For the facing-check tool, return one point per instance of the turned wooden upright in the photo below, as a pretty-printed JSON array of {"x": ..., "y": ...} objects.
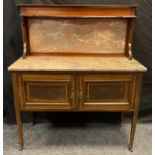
[{"x": 77, "y": 58}]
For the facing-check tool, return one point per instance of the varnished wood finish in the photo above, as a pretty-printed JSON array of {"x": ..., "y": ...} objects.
[
  {"x": 82, "y": 77},
  {"x": 115, "y": 11},
  {"x": 135, "y": 113},
  {"x": 119, "y": 95},
  {"x": 107, "y": 91},
  {"x": 78, "y": 96},
  {"x": 17, "y": 110},
  {"x": 41, "y": 90}
]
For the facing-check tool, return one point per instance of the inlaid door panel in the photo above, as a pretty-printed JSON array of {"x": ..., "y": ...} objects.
[
  {"x": 52, "y": 91},
  {"x": 47, "y": 92},
  {"x": 106, "y": 91}
]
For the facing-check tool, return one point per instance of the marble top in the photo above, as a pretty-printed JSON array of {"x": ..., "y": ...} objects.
[{"x": 77, "y": 63}]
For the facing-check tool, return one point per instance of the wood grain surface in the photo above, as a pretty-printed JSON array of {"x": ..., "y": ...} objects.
[{"x": 31, "y": 10}]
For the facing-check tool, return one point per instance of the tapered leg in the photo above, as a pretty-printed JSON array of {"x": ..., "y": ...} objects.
[
  {"x": 133, "y": 129},
  {"x": 122, "y": 118},
  {"x": 135, "y": 113},
  {"x": 17, "y": 110},
  {"x": 20, "y": 129},
  {"x": 32, "y": 118}
]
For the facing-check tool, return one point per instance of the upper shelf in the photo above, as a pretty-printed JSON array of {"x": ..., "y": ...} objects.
[{"x": 82, "y": 11}]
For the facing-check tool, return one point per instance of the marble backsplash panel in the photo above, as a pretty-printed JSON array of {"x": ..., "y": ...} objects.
[{"x": 50, "y": 35}]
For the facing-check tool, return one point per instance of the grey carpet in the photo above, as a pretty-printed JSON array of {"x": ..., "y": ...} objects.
[{"x": 91, "y": 139}]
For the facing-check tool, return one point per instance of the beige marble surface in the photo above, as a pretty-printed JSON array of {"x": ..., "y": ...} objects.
[
  {"x": 76, "y": 63},
  {"x": 77, "y": 35}
]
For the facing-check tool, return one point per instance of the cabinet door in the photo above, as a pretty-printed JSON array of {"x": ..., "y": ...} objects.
[
  {"x": 106, "y": 91},
  {"x": 48, "y": 91}
]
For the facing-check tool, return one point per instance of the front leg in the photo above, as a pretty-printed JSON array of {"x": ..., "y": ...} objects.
[
  {"x": 135, "y": 112},
  {"x": 17, "y": 110},
  {"x": 133, "y": 129},
  {"x": 20, "y": 129}
]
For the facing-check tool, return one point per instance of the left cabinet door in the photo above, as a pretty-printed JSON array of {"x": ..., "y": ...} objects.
[{"x": 46, "y": 91}]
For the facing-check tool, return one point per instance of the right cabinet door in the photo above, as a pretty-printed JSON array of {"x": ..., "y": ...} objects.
[{"x": 107, "y": 91}]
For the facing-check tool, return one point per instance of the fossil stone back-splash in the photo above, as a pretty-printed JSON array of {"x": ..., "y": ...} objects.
[{"x": 77, "y": 35}]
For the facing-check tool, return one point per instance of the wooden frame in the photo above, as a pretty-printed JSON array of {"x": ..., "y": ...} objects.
[
  {"x": 82, "y": 12},
  {"x": 70, "y": 84}
]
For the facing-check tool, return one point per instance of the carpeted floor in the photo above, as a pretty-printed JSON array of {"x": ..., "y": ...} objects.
[{"x": 91, "y": 139}]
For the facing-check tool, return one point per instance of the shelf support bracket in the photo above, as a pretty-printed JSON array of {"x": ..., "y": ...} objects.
[
  {"x": 24, "y": 50},
  {"x": 130, "y": 52}
]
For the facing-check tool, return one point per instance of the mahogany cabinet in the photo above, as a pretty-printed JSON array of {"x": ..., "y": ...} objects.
[{"x": 77, "y": 58}]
